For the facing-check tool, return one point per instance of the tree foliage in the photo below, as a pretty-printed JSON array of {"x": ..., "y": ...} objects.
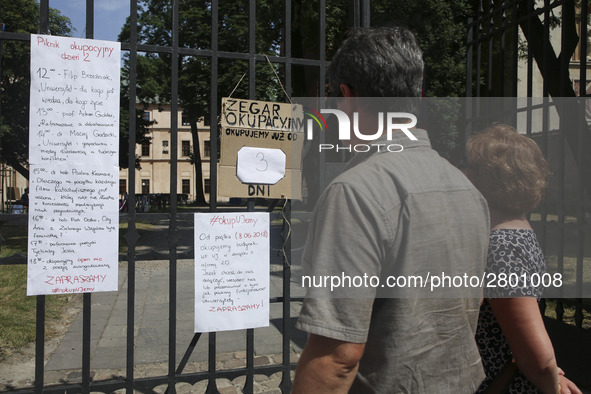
[
  {"x": 194, "y": 89},
  {"x": 438, "y": 25},
  {"x": 20, "y": 16}
]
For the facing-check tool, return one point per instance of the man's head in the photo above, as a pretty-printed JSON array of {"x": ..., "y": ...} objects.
[{"x": 382, "y": 62}]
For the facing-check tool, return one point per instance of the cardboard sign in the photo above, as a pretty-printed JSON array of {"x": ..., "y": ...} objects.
[
  {"x": 265, "y": 128},
  {"x": 231, "y": 271}
]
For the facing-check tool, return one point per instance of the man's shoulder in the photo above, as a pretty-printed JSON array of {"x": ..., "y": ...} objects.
[{"x": 419, "y": 170}]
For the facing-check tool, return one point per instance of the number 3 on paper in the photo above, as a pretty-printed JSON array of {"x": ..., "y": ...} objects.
[{"x": 260, "y": 165}]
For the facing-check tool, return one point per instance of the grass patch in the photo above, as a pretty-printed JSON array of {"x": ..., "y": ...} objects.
[
  {"x": 569, "y": 312},
  {"x": 14, "y": 239},
  {"x": 17, "y": 315},
  {"x": 141, "y": 227}
]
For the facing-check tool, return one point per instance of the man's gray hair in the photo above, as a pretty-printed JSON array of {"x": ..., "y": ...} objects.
[{"x": 380, "y": 62}]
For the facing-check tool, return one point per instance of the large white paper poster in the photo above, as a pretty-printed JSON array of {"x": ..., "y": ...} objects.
[
  {"x": 231, "y": 271},
  {"x": 74, "y": 165}
]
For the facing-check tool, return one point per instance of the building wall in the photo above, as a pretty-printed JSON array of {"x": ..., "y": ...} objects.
[
  {"x": 154, "y": 175},
  {"x": 13, "y": 186}
]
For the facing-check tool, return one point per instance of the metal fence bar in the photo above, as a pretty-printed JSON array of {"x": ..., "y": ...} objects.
[
  {"x": 132, "y": 235},
  {"x": 172, "y": 230},
  {"x": 213, "y": 120},
  {"x": 285, "y": 384},
  {"x": 580, "y": 174},
  {"x": 87, "y": 297},
  {"x": 213, "y": 132},
  {"x": 175, "y": 375},
  {"x": 496, "y": 19},
  {"x": 44, "y": 17},
  {"x": 515, "y": 51},
  {"x": 86, "y": 320},
  {"x": 545, "y": 122},
  {"x": 40, "y": 305},
  {"x": 478, "y": 50},
  {"x": 252, "y": 17},
  {"x": 39, "y": 343}
]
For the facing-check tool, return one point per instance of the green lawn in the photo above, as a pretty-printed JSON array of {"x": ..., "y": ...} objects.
[
  {"x": 17, "y": 311},
  {"x": 569, "y": 312},
  {"x": 17, "y": 314}
]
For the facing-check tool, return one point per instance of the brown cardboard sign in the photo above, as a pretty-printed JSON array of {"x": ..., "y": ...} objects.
[{"x": 262, "y": 141}]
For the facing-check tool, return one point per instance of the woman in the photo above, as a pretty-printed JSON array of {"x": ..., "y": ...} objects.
[{"x": 511, "y": 173}]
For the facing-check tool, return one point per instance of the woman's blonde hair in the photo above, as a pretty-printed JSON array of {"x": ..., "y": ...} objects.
[{"x": 509, "y": 169}]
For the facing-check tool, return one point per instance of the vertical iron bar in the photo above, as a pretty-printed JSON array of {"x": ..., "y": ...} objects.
[
  {"x": 479, "y": 17},
  {"x": 131, "y": 198},
  {"x": 354, "y": 13},
  {"x": 503, "y": 27},
  {"x": 213, "y": 133},
  {"x": 321, "y": 92},
  {"x": 44, "y": 17},
  {"x": 515, "y": 49},
  {"x": 530, "y": 66},
  {"x": 40, "y": 312},
  {"x": 249, "y": 384},
  {"x": 365, "y": 11},
  {"x": 564, "y": 63},
  {"x": 469, "y": 59},
  {"x": 545, "y": 115},
  {"x": 86, "y": 311},
  {"x": 87, "y": 305},
  {"x": 89, "y": 18},
  {"x": 287, "y": 43},
  {"x": 580, "y": 184},
  {"x": 172, "y": 231},
  {"x": 39, "y": 344},
  {"x": 469, "y": 56},
  {"x": 252, "y": 7},
  {"x": 322, "y": 45},
  {"x": 489, "y": 34},
  {"x": 213, "y": 109},
  {"x": 285, "y": 384},
  {"x": 2, "y": 168},
  {"x": 211, "y": 384}
]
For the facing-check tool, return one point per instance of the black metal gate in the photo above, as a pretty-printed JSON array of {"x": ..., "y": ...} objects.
[
  {"x": 529, "y": 48},
  {"x": 287, "y": 62}
]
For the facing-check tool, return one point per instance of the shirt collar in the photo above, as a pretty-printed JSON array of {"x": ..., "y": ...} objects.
[{"x": 381, "y": 145}]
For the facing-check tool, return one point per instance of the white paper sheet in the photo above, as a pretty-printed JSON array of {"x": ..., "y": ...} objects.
[
  {"x": 231, "y": 271},
  {"x": 74, "y": 166},
  {"x": 260, "y": 165}
]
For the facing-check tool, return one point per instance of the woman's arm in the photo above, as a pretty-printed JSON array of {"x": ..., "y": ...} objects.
[{"x": 522, "y": 325}]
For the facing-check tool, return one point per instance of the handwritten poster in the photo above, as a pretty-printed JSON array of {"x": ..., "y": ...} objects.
[
  {"x": 231, "y": 271},
  {"x": 74, "y": 166}
]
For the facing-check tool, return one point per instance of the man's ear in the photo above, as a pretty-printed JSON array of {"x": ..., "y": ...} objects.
[{"x": 347, "y": 91}]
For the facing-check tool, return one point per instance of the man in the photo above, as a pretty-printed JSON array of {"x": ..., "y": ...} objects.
[{"x": 391, "y": 213}]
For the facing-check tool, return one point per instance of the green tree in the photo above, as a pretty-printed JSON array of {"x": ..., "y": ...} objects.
[
  {"x": 194, "y": 94},
  {"x": 20, "y": 16},
  {"x": 440, "y": 29}
]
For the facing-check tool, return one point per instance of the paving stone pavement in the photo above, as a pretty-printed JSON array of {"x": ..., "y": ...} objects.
[{"x": 108, "y": 343}]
